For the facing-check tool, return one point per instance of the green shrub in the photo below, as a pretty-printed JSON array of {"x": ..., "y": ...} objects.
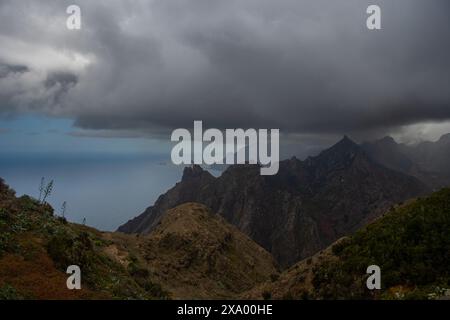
[
  {"x": 155, "y": 290},
  {"x": 410, "y": 245},
  {"x": 8, "y": 292},
  {"x": 4, "y": 216},
  {"x": 66, "y": 250},
  {"x": 137, "y": 271},
  {"x": 5, "y": 242}
]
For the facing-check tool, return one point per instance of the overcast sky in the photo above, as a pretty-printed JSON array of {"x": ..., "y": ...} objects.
[{"x": 310, "y": 68}]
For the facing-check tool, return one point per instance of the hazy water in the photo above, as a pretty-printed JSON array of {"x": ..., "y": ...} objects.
[{"x": 106, "y": 190}]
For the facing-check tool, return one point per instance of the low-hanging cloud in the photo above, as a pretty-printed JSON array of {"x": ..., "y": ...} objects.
[{"x": 301, "y": 66}]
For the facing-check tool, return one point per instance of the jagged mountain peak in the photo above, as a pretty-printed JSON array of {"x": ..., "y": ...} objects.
[
  {"x": 347, "y": 139},
  {"x": 195, "y": 172},
  {"x": 339, "y": 155},
  {"x": 344, "y": 144}
]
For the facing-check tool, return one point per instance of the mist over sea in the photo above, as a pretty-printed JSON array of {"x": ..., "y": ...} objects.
[{"x": 106, "y": 189}]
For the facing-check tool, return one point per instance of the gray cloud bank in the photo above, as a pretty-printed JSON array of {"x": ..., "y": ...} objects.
[{"x": 306, "y": 67}]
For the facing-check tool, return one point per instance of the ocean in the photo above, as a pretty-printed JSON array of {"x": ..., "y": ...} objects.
[{"x": 105, "y": 189}]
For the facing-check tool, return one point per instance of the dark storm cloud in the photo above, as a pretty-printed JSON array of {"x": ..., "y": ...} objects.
[
  {"x": 302, "y": 66},
  {"x": 60, "y": 83},
  {"x": 64, "y": 80},
  {"x": 6, "y": 70}
]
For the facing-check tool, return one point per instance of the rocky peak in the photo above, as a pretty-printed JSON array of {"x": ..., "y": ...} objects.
[
  {"x": 387, "y": 140},
  {"x": 346, "y": 141},
  {"x": 345, "y": 145},
  {"x": 194, "y": 172},
  {"x": 339, "y": 155}
]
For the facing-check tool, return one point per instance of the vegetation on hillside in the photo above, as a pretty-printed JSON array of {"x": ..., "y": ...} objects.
[
  {"x": 192, "y": 254},
  {"x": 410, "y": 243},
  {"x": 196, "y": 254},
  {"x": 36, "y": 247}
]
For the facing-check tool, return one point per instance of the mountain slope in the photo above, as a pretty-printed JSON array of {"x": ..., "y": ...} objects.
[
  {"x": 36, "y": 248},
  {"x": 191, "y": 254},
  {"x": 410, "y": 244},
  {"x": 433, "y": 156},
  {"x": 305, "y": 207},
  {"x": 390, "y": 154},
  {"x": 428, "y": 161},
  {"x": 196, "y": 254}
]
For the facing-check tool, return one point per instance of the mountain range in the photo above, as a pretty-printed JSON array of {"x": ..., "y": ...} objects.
[
  {"x": 308, "y": 232},
  {"x": 428, "y": 161},
  {"x": 304, "y": 208},
  {"x": 195, "y": 254}
]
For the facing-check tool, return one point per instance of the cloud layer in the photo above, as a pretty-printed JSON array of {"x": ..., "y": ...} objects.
[{"x": 308, "y": 67}]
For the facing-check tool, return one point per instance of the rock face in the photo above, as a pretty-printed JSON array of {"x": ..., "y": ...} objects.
[
  {"x": 428, "y": 161},
  {"x": 305, "y": 207}
]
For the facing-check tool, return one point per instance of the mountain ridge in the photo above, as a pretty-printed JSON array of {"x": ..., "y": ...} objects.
[
  {"x": 306, "y": 206},
  {"x": 428, "y": 161},
  {"x": 195, "y": 254}
]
